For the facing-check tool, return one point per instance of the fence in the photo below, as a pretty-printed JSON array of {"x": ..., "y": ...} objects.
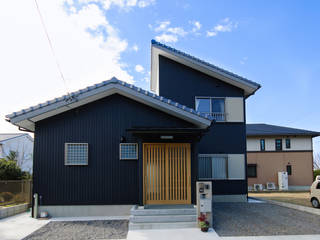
[{"x": 15, "y": 191}]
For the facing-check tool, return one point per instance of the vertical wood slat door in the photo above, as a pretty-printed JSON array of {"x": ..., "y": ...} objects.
[{"x": 167, "y": 173}]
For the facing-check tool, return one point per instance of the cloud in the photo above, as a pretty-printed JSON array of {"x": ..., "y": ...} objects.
[
  {"x": 145, "y": 3},
  {"x": 135, "y": 48},
  {"x": 225, "y": 25},
  {"x": 122, "y": 4},
  {"x": 139, "y": 68},
  {"x": 88, "y": 47},
  {"x": 196, "y": 26},
  {"x": 243, "y": 60},
  {"x": 167, "y": 38},
  {"x": 166, "y": 33}
]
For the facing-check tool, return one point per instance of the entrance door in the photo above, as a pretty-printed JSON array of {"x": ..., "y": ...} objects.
[{"x": 167, "y": 174}]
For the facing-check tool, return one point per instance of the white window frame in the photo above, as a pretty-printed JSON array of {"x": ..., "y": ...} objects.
[
  {"x": 66, "y": 154},
  {"x": 124, "y": 158},
  {"x": 212, "y": 113}
]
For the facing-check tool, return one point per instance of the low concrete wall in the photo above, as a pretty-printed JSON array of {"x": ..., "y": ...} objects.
[
  {"x": 86, "y": 210},
  {"x": 10, "y": 211},
  {"x": 230, "y": 198}
]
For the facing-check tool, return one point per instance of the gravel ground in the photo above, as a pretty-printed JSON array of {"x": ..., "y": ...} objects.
[
  {"x": 78, "y": 230},
  {"x": 262, "y": 219}
]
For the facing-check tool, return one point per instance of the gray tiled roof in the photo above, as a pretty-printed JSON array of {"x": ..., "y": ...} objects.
[
  {"x": 272, "y": 130},
  {"x": 192, "y": 58},
  {"x": 70, "y": 97},
  {"x": 6, "y": 136}
]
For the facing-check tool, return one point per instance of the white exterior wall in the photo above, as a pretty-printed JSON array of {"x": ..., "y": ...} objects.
[
  {"x": 297, "y": 143},
  {"x": 23, "y": 145},
  {"x": 234, "y": 109}
]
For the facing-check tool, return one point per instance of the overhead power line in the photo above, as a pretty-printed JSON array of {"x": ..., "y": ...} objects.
[{"x": 51, "y": 46}]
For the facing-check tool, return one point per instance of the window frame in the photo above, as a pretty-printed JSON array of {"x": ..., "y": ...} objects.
[
  {"x": 264, "y": 144},
  {"x": 210, "y": 100},
  {"x": 275, "y": 144},
  {"x": 137, "y": 151},
  {"x": 66, "y": 154},
  {"x": 256, "y": 172},
  {"x": 288, "y": 143}
]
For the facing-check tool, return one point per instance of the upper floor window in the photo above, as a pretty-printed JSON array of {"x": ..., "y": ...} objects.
[
  {"x": 213, "y": 106},
  {"x": 262, "y": 144},
  {"x": 288, "y": 143},
  {"x": 278, "y": 144}
]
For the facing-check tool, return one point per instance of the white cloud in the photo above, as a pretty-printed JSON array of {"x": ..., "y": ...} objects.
[
  {"x": 167, "y": 34},
  {"x": 225, "y": 25},
  {"x": 196, "y": 26},
  {"x": 167, "y": 38},
  {"x": 123, "y": 4},
  {"x": 243, "y": 60},
  {"x": 135, "y": 48},
  {"x": 139, "y": 68},
  {"x": 145, "y": 3},
  {"x": 28, "y": 71}
]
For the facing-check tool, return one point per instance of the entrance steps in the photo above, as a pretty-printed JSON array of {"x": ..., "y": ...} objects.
[{"x": 163, "y": 217}]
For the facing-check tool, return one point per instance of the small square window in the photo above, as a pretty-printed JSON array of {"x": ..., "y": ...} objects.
[
  {"x": 252, "y": 170},
  {"x": 288, "y": 143},
  {"x": 76, "y": 153},
  {"x": 128, "y": 151}
]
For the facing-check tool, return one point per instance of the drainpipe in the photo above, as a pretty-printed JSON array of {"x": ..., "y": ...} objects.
[{"x": 35, "y": 205}]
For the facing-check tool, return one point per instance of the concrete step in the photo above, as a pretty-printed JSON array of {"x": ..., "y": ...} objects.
[
  {"x": 157, "y": 212},
  {"x": 140, "y": 226},
  {"x": 163, "y": 218}
]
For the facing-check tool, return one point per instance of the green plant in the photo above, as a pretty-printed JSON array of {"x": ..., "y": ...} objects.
[
  {"x": 12, "y": 156},
  {"x": 9, "y": 170},
  {"x": 203, "y": 223}
]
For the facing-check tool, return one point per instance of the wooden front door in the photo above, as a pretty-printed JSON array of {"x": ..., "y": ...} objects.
[{"x": 167, "y": 173}]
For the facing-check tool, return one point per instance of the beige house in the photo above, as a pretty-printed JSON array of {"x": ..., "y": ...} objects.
[{"x": 272, "y": 149}]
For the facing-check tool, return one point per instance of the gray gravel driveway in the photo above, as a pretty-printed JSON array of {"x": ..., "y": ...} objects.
[
  {"x": 80, "y": 230},
  {"x": 262, "y": 219}
]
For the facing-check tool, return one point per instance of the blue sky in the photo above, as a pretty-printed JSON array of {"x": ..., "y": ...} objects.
[{"x": 275, "y": 43}]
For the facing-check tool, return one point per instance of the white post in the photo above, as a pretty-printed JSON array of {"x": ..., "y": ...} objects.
[{"x": 35, "y": 205}]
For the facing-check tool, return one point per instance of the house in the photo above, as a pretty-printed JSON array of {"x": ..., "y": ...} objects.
[
  {"x": 116, "y": 144},
  {"x": 272, "y": 149},
  {"x": 22, "y": 145}
]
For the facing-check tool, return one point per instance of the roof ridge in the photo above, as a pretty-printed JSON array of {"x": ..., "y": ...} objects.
[
  {"x": 204, "y": 62},
  {"x": 73, "y": 95}
]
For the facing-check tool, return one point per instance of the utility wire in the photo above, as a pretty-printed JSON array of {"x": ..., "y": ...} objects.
[{"x": 51, "y": 46}]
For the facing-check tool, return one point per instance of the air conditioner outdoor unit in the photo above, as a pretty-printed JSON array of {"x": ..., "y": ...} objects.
[
  {"x": 258, "y": 187},
  {"x": 271, "y": 186}
]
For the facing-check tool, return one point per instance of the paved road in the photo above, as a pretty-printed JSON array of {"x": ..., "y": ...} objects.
[{"x": 262, "y": 219}]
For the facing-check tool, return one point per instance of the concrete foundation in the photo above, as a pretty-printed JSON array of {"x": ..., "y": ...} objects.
[
  {"x": 229, "y": 198},
  {"x": 86, "y": 210}
]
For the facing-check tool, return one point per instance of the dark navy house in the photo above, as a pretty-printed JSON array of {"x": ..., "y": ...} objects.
[{"x": 116, "y": 144}]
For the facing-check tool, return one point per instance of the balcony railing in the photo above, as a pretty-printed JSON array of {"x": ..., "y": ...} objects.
[{"x": 218, "y": 116}]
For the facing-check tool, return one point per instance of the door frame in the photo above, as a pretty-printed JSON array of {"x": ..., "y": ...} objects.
[{"x": 188, "y": 172}]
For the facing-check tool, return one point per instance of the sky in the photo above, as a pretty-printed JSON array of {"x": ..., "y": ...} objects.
[{"x": 274, "y": 43}]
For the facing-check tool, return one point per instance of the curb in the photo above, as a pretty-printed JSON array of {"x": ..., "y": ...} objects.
[{"x": 315, "y": 211}]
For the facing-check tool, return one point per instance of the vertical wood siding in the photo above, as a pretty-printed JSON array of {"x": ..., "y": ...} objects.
[{"x": 106, "y": 179}]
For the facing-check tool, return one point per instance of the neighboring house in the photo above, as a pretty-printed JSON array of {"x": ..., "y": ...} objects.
[
  {"x": 22, "y": 144},
  {"x": 272, "y": 149},
  {"x": 116, "y": 144}
]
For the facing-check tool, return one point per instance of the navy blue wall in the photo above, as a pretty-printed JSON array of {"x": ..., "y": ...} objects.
[
  {"x": 106, "y": 179},
  {"x": 182, "y": 84}
]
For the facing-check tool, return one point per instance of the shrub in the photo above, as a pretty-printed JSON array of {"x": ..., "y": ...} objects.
[
  {"x": 316, "y": 173},
  {"x": 9, "y": 170},
  {"x": 6, "y": 196}
]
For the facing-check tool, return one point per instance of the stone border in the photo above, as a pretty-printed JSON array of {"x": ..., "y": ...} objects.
[
  {"x": 293, "y": 206},
  {"x": 10, "y": 211}
]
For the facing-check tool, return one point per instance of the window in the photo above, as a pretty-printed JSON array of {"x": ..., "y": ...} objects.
[
  {"x": 288, "y": 143},
  {"x": 262, "y": 144},
  {"x": 289, "y": 169},
  {"x": 318, "y": 186},
  {"x": 278, "y": 144},
  {"x": 128, "y": 151},
  {"x": 252, "y": 170},
  {"x": 213, "y": 106},
  {"x": 221, "y": 167},
  {"x": 76, "y": 153}
]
